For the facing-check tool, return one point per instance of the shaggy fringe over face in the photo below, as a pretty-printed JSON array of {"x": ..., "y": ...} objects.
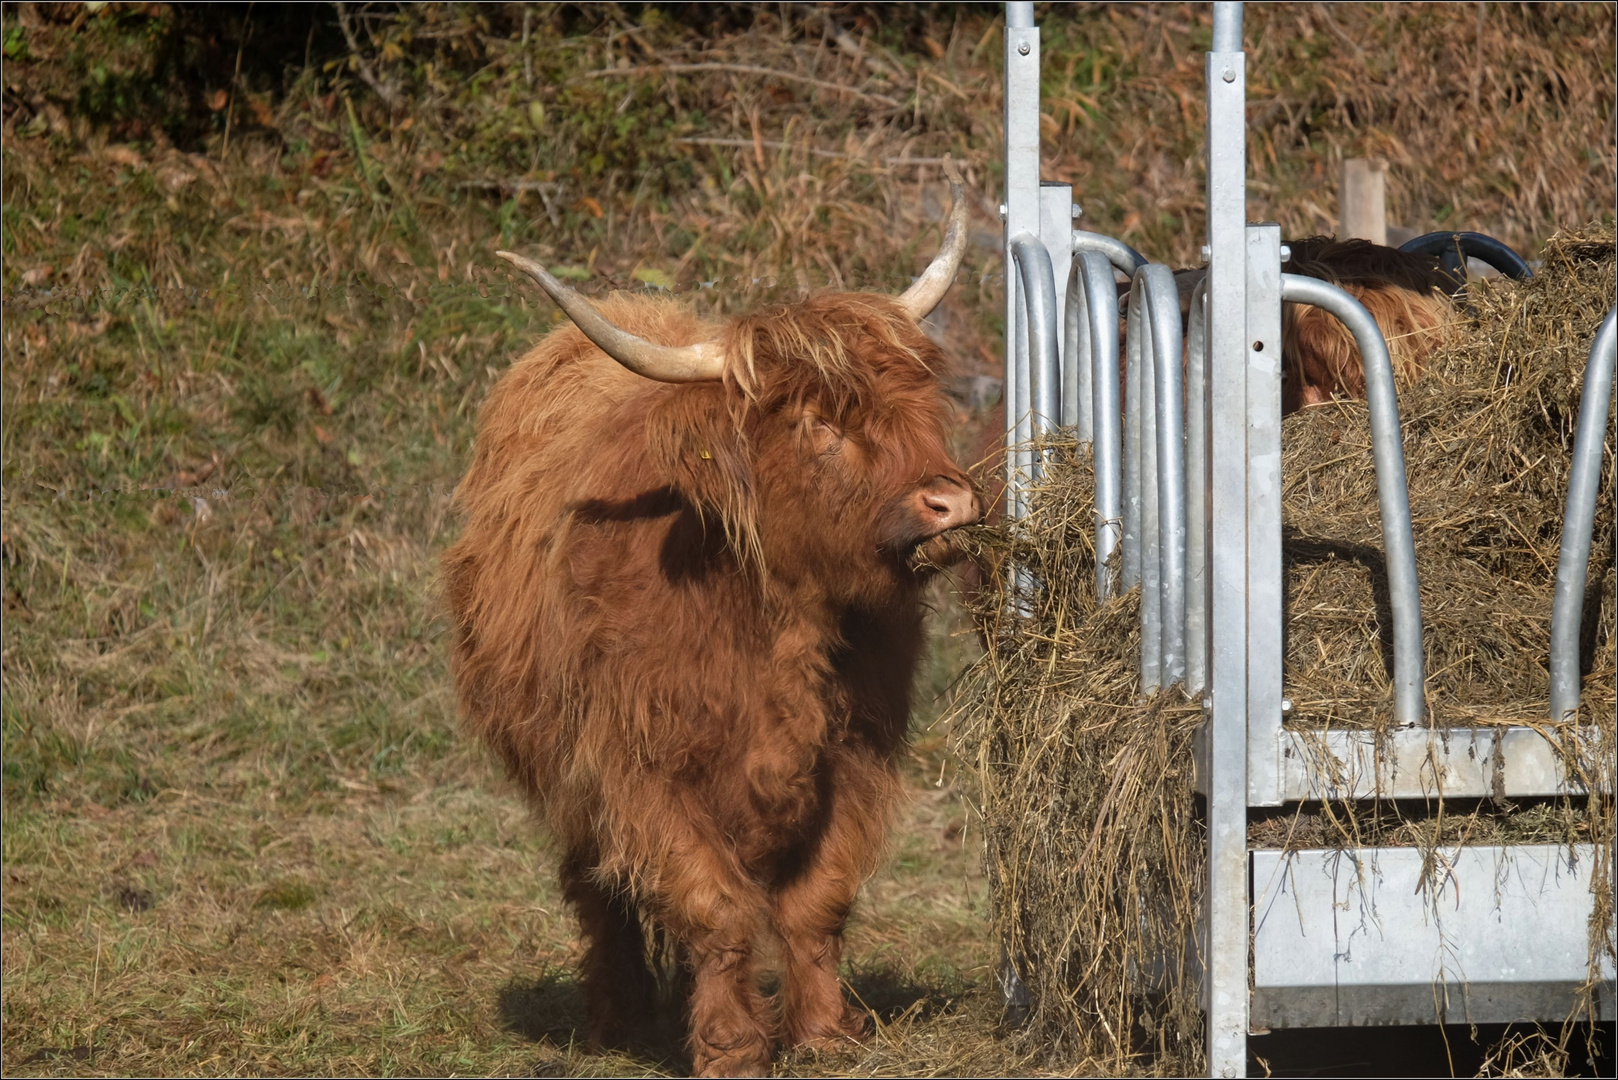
[{"x": 1406, "y": 294}]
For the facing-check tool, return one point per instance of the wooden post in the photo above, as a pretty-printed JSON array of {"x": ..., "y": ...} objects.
[{"x": 1361, "y": 201}]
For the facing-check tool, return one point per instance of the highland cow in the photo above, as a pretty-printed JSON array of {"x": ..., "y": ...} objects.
[{"x": 687, "y": 609}]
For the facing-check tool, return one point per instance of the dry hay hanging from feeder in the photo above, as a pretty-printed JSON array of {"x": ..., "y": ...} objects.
[{"x": 1095, "y": 850}]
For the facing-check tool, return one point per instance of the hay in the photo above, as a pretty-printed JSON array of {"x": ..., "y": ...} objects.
[
  {"x": 1488, "y": 436},
  {"x": 1094, "y": 842}
]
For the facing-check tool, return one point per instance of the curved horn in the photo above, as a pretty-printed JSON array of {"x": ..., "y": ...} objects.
[
  {"x": 920, "y": 299},
  {"x": 665, "y": 363}
]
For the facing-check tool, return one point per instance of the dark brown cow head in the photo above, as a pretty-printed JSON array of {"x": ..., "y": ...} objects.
[{"x": 812, "y": 432}]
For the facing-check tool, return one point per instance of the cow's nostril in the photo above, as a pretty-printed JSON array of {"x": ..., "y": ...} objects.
[{"x": 951, "y": 504}]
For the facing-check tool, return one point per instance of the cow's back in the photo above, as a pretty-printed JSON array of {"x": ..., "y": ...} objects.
[{"x": 554, "y": 583}]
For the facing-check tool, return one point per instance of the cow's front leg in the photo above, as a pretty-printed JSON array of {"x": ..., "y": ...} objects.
[
  {"x": 715, "y": 913},
  {"x": 811, "y": 907}
]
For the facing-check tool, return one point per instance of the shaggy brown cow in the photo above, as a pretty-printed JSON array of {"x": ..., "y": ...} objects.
[{"x": 688, "y": 617}]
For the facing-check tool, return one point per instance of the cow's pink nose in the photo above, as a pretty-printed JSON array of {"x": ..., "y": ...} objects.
[{"x": 952, "y": 503}]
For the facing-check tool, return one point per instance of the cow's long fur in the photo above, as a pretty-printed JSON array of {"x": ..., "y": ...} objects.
[
  {"x": 677, "y": 627},
  {"x": 1406, "y": 294}
]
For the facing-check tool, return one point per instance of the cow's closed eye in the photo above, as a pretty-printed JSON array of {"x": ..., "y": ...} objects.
[{"x": 827, "y": 437}]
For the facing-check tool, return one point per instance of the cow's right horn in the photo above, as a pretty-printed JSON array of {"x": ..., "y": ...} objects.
[
  {"x": 665, "y": 363},
  {"x": 920, "y": 299}
]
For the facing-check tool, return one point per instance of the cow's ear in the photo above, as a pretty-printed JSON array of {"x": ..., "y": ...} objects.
[{"x": 700, "y": 447}]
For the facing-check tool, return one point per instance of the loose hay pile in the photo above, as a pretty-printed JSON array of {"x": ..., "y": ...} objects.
[{"x": 1095, "y": 845}]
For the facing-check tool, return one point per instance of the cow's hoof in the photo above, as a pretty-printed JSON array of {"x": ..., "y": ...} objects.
[
  {"x": 849, "y": 1030},
  {"x": 732, "y": 1065}
]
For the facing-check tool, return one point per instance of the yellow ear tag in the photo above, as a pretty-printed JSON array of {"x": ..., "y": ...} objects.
[{"x": 704, "y": 455}]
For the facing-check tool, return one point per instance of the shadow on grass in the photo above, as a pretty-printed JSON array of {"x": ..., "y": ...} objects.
[
  {"x": 550, "y": 1011},
  {"x": 890, "y": 994}
]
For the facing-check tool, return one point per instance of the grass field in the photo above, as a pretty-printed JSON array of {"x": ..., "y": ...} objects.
[{"x": 250, "y": 311}]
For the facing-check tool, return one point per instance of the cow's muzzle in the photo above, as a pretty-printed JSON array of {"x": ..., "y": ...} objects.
[{"x": 945, "y": 503}]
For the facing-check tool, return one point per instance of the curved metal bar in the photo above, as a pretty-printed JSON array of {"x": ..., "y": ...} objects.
[
  {"x": 1038, "y": 295},
  {"x": 1142, "y": 429},
  {"x": 1163, "y": 309},
  {"x": 1133, "y": 333},
  {"x": 1077, "y": 407},
  {"x": 1454, "y": 248},
  {"x": 1018, "y": 429},
  {"x": 1117, "y": 252},
  {"x": 1578, "y": 521},
  {"x": 1196, "y": 494},
  {"x": 1393, "y": 495},
  {"x": 1102, "y": 308}
]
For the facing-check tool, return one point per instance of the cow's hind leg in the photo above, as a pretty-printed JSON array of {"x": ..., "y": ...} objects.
[
  {"x": 811, "y": 906},
  {"x": 620, "y": 992}
]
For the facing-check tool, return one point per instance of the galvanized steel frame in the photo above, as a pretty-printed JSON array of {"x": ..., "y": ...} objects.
[{"x": 1193, "y": 499}]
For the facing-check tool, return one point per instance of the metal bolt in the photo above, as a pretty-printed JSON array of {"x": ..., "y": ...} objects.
[
  {"x": 1023, "y": 49},
  {"x": 1207, "y": 704},
  {"x": 1077, "y": 211},
  {"x": 1286, "y": 254},
  {"x": 1286, "y": 704},
  {"x": 1229, "y": 75},
  {"x": 1003, "y": 211},
  {"x": 1207, "y": 252}
]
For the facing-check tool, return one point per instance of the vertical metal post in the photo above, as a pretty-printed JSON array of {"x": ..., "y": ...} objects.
[
  {"x": 1163, "y": 313},
  {"x": 1143, "y": 416},
  {"x": 1196, "y": 495},
  {"x": 1101, "y": 306},
  {"x": 1226, "y": 978},
  {"x": 1021, "y": 216},
  {"x": 1263, "y": 350},
  {"x": 1133, "y": 334},
  {"x": 1579, "y": 519}
]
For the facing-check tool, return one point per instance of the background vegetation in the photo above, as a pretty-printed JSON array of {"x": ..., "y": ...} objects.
[{"x": 251, "y": 308}]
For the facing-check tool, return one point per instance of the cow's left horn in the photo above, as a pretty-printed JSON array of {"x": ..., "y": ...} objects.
[
  {"x": 920, "y": 299},
  {"x": 702, "y": 362}
]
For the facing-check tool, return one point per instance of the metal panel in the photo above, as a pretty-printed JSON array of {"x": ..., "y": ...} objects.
[
  {"x": 1392, "y": 493},
  {"x": 1263, "y": 346},
  {"x": 1421, "y": 763},
  {"x": 1567, "y": 613},
  {"x": 1366, "y": 936},
  {"x": 1226, "y": 982},
  {"x": 1196, "y": 495}
]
